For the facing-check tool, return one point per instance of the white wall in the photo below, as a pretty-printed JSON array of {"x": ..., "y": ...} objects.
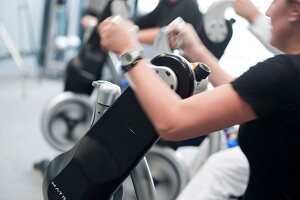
[{"x": 23, "y": 21}]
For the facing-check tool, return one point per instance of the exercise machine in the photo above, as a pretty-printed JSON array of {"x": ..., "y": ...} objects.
[
  {"x": 85, "y": 68},
  {"x": 99, "y": 163},
  {"x": 173, "y": 165}
]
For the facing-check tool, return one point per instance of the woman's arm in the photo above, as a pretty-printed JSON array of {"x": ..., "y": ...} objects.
[
  {"x": 195, "y": 51},
  {"x": 177, "y": 119},
  {"x": 174, "y": 118},
  {"x": 218, "y": 75}
]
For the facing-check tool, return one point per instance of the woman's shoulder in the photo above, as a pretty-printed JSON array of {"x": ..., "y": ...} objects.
[
  {"x": 282, "y": 62},
  {"x": 285, "y": 58},
  {"x": 283, "y": 66},
  {"x": 280, "y": 68}
]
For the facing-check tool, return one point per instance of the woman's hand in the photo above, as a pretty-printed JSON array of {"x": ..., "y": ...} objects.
[
  {"x": 191, "y": 44},
  {"x": 118, "y": 36}
]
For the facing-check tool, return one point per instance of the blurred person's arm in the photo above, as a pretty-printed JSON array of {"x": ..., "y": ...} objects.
[
  {"x": 147, "y": 36},
  {"x": 261, "y": 28},
  {"x": 260, "y": 25}
]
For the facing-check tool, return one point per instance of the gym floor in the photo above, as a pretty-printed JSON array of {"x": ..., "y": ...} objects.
[{"x": 21, "y": 141}]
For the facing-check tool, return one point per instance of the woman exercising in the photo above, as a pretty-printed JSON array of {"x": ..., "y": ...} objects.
[{"x": 265, "y": 100}]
